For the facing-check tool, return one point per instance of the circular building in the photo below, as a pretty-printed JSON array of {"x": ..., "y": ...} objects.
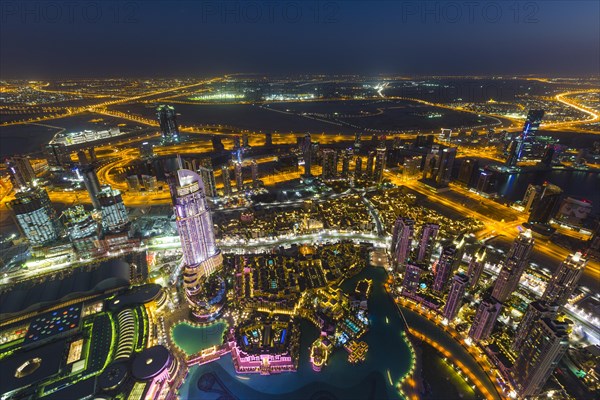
[
  {"x": 151, "y": 363},
  {"x": 113, "y": 376}
]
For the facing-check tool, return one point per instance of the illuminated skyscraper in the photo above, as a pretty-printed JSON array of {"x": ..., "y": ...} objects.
[
  {"x": 358, "y": 168},
  {"x": 254, "y": 173},
  {"x": 239, "y": 176},
  {"x": 532, "y": 195},
  {"x": 146, "y": 150},
  {"x": 357, "y": 142},
  {"x": 545, "y": 345},
  {"x": 226, "y": 180},
  {"x": 444, "y": 167},
  {"x": 57, "y": 155},
  {"x": 516, "y": 149},
  {"x": 476, "y": 266},
  {"x": 208, "y": 177},
  {"x": 485, "y": 319},
  {"x": 536, "y": 310},
  {"x": 369, "y": 167},
  {"x": 513, "y": 266},
  {"x": 306, "y": 148},
  {"x": 346, "y": 154},
  {"x": 168, "y": 123},
  {"x": 444, "y": 268},
  {"x": 468, "y": 171},
  {"x": 201, "y": 257},
  {"x": 114, "y": 213},
  {"x": 402, "y": 240},
  {"x": 455, "y": 296},
  {"x": 21, "y": 172},
  {"x": 429, "y": 232},
  {"x": 564, "y": 281},
  {"x": 412, "y": 275},
  {"x": 522, "y": 246},
  {"x": 329, "y": 164},
  {"x": 380, "y": 160},
  {"x": 545, "y": 207},
  {"x": 83, "y": 230},
  {"x": 91, "y": 182},
  {"x": 35, "y": 216}
]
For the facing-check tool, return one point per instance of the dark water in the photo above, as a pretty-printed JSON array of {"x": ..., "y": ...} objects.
[
  {"x": 339, "y": 379},
  {"x": 580, "y": 184}
]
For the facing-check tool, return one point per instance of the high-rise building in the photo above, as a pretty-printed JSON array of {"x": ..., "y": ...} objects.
[
  {"x": 114, "y": 213},
  {"x": 402, "y": 236},
  {"x": 82, "y": 158},
  {"x": 268, "y": 139},
  {"x": 150, "y": 183},
  {"x": 358, "y": 168},
  {"x": 201, "y": 257},
  {"x": 517, "y": 148},
  {"x": 455, "y": 296},
  {"x": 486, "y": 181},
  {"x": 83, "y": 230},
  {"x": 133, "y": 183},
  {"x": 226, "y": 180},
  {"x": 380, "y": 161},
  {"x": 444, "y": 267},
  {"x": 412, "y": 276},
  {"x": 429, "y": 233},
  {"x": 207, "y": 174},
  {"x": 412, "y": 165},
  {"x": 239, "y": 176},
  {"x": 346, "y": 154},
  {"x": 544, "y": 208},
  {"x": 21, "y": 172},
  {"x": 536, "y": 310},
  {"x": 35, "y": 216},
  {"x": 545, "y": 345},
  {"x": 306, "y": 148},
  {"x": 168, "y": 123},
  {"x": 564, "y": 281},
  {"x": 245, "y": 140},
  {"x": 443, "y": 171},
  {"x": 146, "y": 150},
  {"x": 357, "y": 142},
  {"x": 91, "y": 182},
  {"x": 237, "y": 142},
  {"x": 254, "y": 173},
  {"x": 476, "y": 266},
  {"x": 532, "y": 195},
  {"x": 369, "y": 167},
  {"x": 467, "y": 172},
  {"x": 515, "y": 264},
  {"x": 485, "y": 319},
  {"x": 329, "y": 164},
  {"x": 57, "y": 155}
]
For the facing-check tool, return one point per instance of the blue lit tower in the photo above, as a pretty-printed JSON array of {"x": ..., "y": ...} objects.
[
  {"x": 516, "y": 147},
  {"x": 168, "y": 123},
  {"x": 201, "y": 257}
]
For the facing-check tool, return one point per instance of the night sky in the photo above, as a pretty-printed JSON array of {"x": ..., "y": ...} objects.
[{"x": 60, "y": 39}]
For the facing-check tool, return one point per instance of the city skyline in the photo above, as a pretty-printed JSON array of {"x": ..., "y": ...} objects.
[{"x": 299, "y": 200}]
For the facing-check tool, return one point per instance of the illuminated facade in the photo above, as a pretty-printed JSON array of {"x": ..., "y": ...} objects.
[
  {"x": 536, "y": 310},
  {"x": 544, "y": 347},
  {"x": 380, "y": 161},
  {"x": 429, "y": 232},
  {"x": 444, "y": 268},
  {"x": 476, "y": 266},
  {"x": 564, "y": 280},
  {"x": 329, "y": 164},
  {"x": 485, "y": 319},
  {"x": 513, "y": 267},
  {"x": 114, "y": 214},
  {"x": 21, "y": 172},
  {"x": 455, "y": 296},
  {"x": 402, "y": 240},
  {"x": 35, "y": 216},
  {"x": 168, "y": 123},
  {"x": 201, "y": 257}
]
